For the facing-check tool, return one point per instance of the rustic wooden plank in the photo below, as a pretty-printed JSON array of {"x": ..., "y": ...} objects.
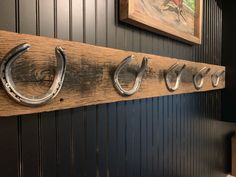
[{"x": 89, "y": 74}]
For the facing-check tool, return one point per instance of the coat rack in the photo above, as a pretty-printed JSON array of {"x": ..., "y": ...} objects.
[{"x": 89, "y": 75}]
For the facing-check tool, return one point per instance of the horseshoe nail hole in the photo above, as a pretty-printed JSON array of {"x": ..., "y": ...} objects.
[{"x": 61, "y": 99}]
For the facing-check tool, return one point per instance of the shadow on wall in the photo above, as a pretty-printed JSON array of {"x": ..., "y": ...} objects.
[
  {"x": 219, "y": 2},
  {"x": 228, "y": 150}
]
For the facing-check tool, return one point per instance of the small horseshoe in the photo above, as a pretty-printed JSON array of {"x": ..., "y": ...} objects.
[
  {"x": 178, "y": 73},
  {"x": 6, "y": 76},
  {"x": 200, "y": 74},
  {"x": 215, "y": 78},
  {"x": 138, "y": 79}
]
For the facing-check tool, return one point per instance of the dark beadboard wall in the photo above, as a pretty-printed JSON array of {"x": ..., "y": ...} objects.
[{"x": 174, "y": 136}]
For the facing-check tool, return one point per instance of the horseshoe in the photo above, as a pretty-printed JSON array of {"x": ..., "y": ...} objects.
[
  {"x": 198, "y": 78},
  {"x": 138, "y": 79},
  {"x": 215, "y": 78},
  {"x": 178, "y": 76},
  {"x": 9, "y": 86}
]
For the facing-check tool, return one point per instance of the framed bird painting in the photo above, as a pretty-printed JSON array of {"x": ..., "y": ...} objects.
[{"x": 179, "y": 19}]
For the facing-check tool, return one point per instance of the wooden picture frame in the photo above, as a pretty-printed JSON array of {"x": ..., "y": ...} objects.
[{"x": 132, "y": 14}]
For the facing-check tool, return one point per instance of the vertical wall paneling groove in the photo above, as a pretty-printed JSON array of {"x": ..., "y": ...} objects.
[
  {"x": 19, "y": 147},
  {"x": 174, "y": 136},
  {"x": 111, "y": 23},
  {"x": 101, "y": 24},
  {"x": 143, "y": 139},
  {"x": 30, "y": 151},
  {"x": 149, "y": 138},
  {"x": 91, "y": 144},
  {"x": 155, "y": 137},
  {"x": 165, "y": 136},
  {"x": 77, "y": 20},
  {"x": 48, "y": 144},
  {"x": 90, "y": 21},
  {"x": 7, "y": 23},
  {"x": 55, "y": 18},
  {"x": 46, "y": 13},
  {"x": 64, "y": 143},
  {"x": 9, "y": 147},
  {"x": 79, "y": 142},
  {"x": 37, "y": 17},
  {"x": 112, "y": 140},
  {"x": 121, "y": 138},
  {"x": 102, "y": 156},
  {"x": 63, "y": 21},
  {"x": 129, "y": 139},
  {"x": 27, "y": 16},
  {"x": 70, "y": 20}
]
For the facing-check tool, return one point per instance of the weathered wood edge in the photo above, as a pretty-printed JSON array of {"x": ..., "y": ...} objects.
[{"x": 94, "y": 62}]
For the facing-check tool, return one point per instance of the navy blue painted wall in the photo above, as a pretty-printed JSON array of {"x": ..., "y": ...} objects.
[{"x": 174, "y": 136}]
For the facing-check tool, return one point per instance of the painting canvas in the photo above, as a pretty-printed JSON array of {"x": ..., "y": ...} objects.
[{"x": 180, "y": 19}]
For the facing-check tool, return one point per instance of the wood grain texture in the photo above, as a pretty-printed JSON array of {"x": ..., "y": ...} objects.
[{"x": 88, "y": 79}]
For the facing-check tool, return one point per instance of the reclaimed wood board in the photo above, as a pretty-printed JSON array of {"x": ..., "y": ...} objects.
[{"x": 89, "y": 76}]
